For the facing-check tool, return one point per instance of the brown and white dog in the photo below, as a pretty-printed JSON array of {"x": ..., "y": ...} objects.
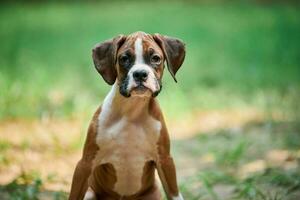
[{"x": 128, "y": 138}]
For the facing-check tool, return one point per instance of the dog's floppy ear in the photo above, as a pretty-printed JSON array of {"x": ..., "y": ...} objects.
[
  {"x": 104, "y": 57},
  {"x": 174, "y": 51}
]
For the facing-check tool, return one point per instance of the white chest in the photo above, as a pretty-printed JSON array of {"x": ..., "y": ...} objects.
[{"x": 128, "y": 146}]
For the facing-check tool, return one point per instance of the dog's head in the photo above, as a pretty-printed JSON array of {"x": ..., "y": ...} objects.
[{"x": 136, "y": 61}]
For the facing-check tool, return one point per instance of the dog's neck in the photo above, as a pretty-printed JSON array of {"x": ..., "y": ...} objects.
[{"x": 134, "y": 108}]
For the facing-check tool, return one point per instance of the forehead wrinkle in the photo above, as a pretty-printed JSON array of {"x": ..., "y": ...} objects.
[{"x": 151, "y": 44}]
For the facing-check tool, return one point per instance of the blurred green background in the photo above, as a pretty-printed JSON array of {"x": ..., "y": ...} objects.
[{"x": 242, "y": 57}]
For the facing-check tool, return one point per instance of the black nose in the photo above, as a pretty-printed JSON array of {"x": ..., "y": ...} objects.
[{"x": 140, "y": 75}]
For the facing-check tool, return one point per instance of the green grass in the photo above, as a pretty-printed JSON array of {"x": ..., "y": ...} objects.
[
  {"x": 28, "y": 186},
  {"x": 238, "y": 55},
  {"x": 233, "y": 150}
]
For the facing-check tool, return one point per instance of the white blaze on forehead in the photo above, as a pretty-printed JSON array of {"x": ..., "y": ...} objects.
[
  {"x": 138, "y": 48},
  {"x": 139, "y": 64}
]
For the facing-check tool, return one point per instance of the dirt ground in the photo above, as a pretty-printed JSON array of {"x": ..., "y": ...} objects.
[{"x": 50, "y": 148}]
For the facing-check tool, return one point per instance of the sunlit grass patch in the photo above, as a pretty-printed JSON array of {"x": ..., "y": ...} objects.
[
  {"x": 270, "y": 184},
  {"x": 26, "y": 186},
  {"x": 246, "y": 163},
  {"x": 29, "y": 186},
  {"x": 4, "y": 146}
]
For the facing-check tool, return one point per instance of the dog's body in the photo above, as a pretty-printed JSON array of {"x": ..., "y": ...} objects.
[{"x": 127, "y": 138}]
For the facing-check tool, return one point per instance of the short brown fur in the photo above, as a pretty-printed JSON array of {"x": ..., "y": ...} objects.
[{"x": 101, "y": 177}]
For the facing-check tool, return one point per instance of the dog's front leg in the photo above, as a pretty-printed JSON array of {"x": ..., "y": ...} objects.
[
  {"x": 166, "y": 167},
  {"x": 84, "y": 166},
  {"x": 79, "y": 182}
]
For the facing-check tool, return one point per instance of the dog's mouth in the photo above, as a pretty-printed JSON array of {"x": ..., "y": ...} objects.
[{"x": 141, "y": 90}]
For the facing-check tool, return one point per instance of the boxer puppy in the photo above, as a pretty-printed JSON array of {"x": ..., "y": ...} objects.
[{"x": 127, "y": 138}]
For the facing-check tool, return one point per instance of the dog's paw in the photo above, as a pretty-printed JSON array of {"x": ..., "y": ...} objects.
[
  {"x": 179, "y": 197},
  {"x": 89, "y": 195}
]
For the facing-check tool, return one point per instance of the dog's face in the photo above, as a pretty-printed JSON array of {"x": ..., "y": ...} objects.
[
  {"x": 139, "y": 66},
  {"x": 136, "y": 62}
]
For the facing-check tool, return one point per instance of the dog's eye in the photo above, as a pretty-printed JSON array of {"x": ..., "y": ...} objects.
[
  {"x": 124, "y": 60},
  {"x": 155, "y": 59}
]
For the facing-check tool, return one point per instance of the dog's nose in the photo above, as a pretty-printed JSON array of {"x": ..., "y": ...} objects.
[{"x": 140, "y": 75}]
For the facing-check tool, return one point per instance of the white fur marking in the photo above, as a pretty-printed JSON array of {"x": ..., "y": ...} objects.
[
  {"x": 107, "y": 103},
  {"x": 151, "y": 80},
  {"x": 156, "y": 125},
  {"x": 139, "y": 64},
  {"x": 138, "y": 50},
  {"x": 128, "y": 146},
  {"x": 89, "y": 195},
  {"x": 116, "y": 128},
  {"x": 179, "y": 197}
]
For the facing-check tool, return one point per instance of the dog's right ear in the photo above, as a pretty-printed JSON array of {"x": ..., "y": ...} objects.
[{"x": 104, "y": 57}]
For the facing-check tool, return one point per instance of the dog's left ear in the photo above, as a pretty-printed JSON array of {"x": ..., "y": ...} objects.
[
  {"x": 174, "y": 51},
  {"x": 104, "y": 57}
]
